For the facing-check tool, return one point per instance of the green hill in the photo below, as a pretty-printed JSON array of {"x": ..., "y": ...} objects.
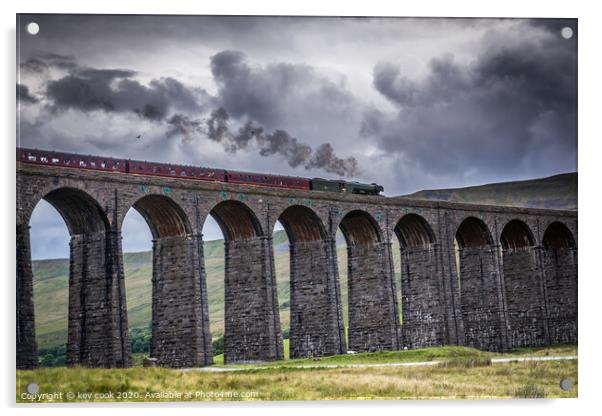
[{"x": 554, "y": 192}]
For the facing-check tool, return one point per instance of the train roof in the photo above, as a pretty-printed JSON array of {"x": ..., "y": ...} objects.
[{"x": 226, "y": 171}]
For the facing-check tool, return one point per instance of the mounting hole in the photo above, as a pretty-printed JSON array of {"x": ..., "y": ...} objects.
[
  {"x": 566, "y": 384},
  {"x": 566, "y": 32},
  {"x": 33, "y": 28},
  {"x": 32, "y": 388}
]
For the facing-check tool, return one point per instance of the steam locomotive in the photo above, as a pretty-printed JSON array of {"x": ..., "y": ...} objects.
[{"x": 138, "y": 167}]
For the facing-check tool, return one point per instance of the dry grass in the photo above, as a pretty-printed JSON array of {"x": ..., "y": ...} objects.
[
  {"x": 468, "y": 362},
  {"x": 527, "y": 379}
]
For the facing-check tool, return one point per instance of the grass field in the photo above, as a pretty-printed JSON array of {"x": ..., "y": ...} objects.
[
  {"x": 554, "y": 192},
  {"x": 464, "y": 373}
]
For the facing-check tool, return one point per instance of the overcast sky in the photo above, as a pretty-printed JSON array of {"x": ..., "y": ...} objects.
[{"x": 408, "y": 103}]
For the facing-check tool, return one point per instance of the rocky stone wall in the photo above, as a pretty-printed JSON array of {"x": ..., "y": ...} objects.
[
  {"x": 373, "y": 321},
  {"x": 423, "y": 302}
]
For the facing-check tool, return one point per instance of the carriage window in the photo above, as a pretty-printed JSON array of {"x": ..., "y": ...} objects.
[
  {"x": 211, "y": 174},
  {"x": 172, "y": 172},
  {"x": 55, "y": 160},
  {"x": 183, "y": 173},
  {"x": 93, "y": 164},
  {"x": 202, "y": 173},
  {"x": 82, "y": 164},
  {"x": 103, "y": 164},
  {"x": 31, "y": 158},
  {"x": 67, "y": 162},
  {"x": 44, "y": 159}
]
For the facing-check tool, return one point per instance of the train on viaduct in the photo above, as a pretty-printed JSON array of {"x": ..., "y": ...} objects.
[{"x": 490, "y": 277}]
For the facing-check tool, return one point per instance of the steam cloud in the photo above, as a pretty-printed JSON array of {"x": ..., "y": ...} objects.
[
  {"x": 279, "y": 142},
  {"x": 173, "y": 104}
]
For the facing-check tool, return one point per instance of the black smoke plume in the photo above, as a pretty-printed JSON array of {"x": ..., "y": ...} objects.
[{"x": 280, "y": 143}]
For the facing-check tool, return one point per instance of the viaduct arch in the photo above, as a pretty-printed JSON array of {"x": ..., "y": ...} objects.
[
  {"x": 559, "y": 262},
  {"x": 480, "y": 292},
  {"x": 515, "y": 282},
  {"x": 316, "y": 326},
  {"x": 372, "y": 297},
  {"x": 424, "y": 322}
]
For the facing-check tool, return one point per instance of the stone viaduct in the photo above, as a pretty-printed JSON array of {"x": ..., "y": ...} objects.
[{"x": 485, "y": 276}]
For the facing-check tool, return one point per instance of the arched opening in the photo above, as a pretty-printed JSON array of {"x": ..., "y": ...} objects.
[
  {"x": 372, "y": 298},
  {"x": 522, "y": 281},
  {"x": 92, "y": 282},
  {"x": 50, "y": 267},
  {"x": 214, "y": 260},
  {"x": 480, "y": 303},
  {"x": 251, "y": 314},
  {"x": 316, "y": 323},
  {"x": 301, "y": 224},
  {"x": 236, "y": 221},
  {"x": 82, "y": 214},
  {"x": 137, "y": 233},
  {"x": 422, "y": 302},
  {"x": 558, "y": 236},
  {"x": 473, "y": 232},
  {"x": 559, "y": 260},
  {"x": 281, "y": 246},
  {"x": 360, "y": 228},
  {"x": 169, "y": 317},
  {"x": 516, "y": 234},
  {"x": 137, "y": 247},
  {"x": 414, "y": 231},
  {"x": 163, "y": 216}
]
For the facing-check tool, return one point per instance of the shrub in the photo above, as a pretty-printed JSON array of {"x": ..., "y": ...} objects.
[
  {"x": 218, "y": 346},
  {"x": 52, "y": 356},
  {"x": 530, "y": 391},
  {"x": 140, "y": 338}
]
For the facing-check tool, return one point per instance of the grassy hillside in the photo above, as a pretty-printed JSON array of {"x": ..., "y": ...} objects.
[
  {"x": 454, "y": 373},
  {"x": 554, "y": 192},
  {"x": 51, "y": 295}
]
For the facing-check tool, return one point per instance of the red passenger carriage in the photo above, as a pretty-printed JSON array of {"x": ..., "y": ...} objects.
[
  {"x": 173, "y": 170},
  {"x": 70, "y": 160},
  {"x": 271, "y": 181}
]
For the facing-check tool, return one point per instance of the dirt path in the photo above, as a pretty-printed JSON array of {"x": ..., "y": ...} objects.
[{"x": 409, "y": 364}]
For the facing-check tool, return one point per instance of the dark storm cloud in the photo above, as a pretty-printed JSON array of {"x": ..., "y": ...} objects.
[
  {"x": 270, "y": 93},
  {"x": 515, "y": 104},
  {"x": 34, "y": 65},
  {"x": 114, "y": 90},
  {"x": 255, "y": 94},
  {"x": 168, "y": 101},
  {"x": 41, "y": 63},
  {"x": 280, "y": 143},
  {"x": 23, "y": 94},
  {"x": 554, "y": 25}
]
